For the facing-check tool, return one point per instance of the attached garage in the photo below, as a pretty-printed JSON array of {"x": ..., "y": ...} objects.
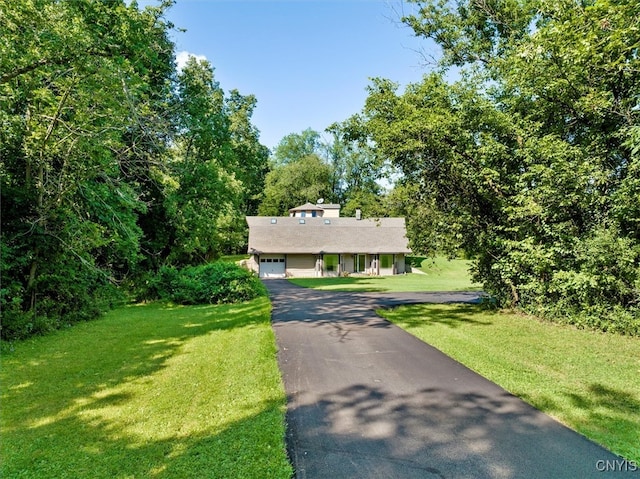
[{"x": 272, "y": 266}]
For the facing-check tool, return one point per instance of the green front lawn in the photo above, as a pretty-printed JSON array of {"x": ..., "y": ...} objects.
[
  {"x": 437, "y": 274},
  {"x": 147, "y": 391},
  {"x": 588, "y": 380}
]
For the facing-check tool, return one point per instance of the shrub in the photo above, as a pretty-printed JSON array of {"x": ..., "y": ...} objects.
[
  {"x": 214, "y": 283},
  {"x": 74, "y": 294}
]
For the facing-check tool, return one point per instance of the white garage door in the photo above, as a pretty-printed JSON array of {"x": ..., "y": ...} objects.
[{"x": 272, "y": 267}]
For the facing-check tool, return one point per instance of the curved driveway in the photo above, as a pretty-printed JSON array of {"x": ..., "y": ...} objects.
[{"x": 368, "y": 400}]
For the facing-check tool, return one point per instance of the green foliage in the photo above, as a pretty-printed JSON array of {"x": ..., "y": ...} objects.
[
  {"x": 74, "y": 77},
  {"x": 70, "y": 292},
  {"x": 296, "y": 183},
  {"x": 341, "y": 170},
  {"x": 214, "y": 283},
  {"x": 112, "y": 163},
  {"x": 250, "y": 157},
  {"x": 295, "y": 146},
  {"x": 205, "y": 188},
  {"x": 529, "y": 163}
]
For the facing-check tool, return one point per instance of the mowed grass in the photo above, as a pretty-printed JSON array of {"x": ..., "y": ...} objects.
[
  {"x": 234, "y": 258},
  {"x": 439, "y": 274},
  {"x": 588, "y": 380},
  {"x": 149, "y": 391}
]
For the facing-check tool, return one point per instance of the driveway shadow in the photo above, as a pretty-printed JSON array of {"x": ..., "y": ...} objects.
[
  {"x": 366, "y": 431},
  {"x": 368, "y": 400}
]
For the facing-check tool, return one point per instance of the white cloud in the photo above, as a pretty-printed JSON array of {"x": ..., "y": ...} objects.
[{"x": 183, "y": 56}]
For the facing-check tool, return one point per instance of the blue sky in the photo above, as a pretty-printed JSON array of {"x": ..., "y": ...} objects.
[{"x": 308, "y": 62}]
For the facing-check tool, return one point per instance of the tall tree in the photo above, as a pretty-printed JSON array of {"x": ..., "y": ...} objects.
[
  {"x": 293, "y": 184},
  {"x": 251, "y": 157},
  {"x": 296, "y": 146},
  {"x": 356, "y": 169},
  {"x": 111, "y": 162},
  {"x": 532, "y": 157},
  {"x": 73, "y": 75},
  {"x": 205, "y": 194}
]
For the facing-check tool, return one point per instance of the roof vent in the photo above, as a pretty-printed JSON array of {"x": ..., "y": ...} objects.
[
  {"x": 301, "y": 221},
  {"x": 358, "y": 214},
  {"x": 274, "y": 221}
]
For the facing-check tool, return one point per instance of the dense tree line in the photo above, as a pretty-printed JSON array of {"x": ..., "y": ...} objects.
[
  {"x": 113, "y": 163},
  {"x": 530, "y": 161},
  {"x": 304, "y": 167}
]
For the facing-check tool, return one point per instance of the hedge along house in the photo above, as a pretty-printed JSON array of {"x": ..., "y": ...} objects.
[{"x": 315, "y": 241}]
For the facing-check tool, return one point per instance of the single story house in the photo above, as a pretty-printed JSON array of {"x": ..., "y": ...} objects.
[{"x": 308, "y": 244}]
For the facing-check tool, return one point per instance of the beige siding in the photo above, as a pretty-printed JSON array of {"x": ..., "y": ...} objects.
[
  {"x": 400, "y": 264},
  {"x": 301, "y": 265},
  {"x": 331, "y": 213},
  {"x": 348, "y": 264}
]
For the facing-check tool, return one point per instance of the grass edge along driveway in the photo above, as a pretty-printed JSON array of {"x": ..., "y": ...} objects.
[
  {"x": 433, "y": 274},
  {"x": 590, "y": 381},
  {"x": 147, "y": 391}
]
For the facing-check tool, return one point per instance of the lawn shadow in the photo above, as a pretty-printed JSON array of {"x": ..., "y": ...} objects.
[
  {"x": 56, "y": 398},
  {"x": 598, "y": 412},
  {"x": 65, "y": 373},
  {"x": 342, "y": 284},
  {"x": 415, "y": 261},
  {"x": 248, "y": 448},
  {"x": 432, "y": 314}
]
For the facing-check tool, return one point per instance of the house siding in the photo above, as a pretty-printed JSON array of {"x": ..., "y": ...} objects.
[
  {"x": 347, "y": 263},
  {"x": 307, "y": 265},
  {"x": 307, "y": 242},
  {"x": 301, "y": 265}
]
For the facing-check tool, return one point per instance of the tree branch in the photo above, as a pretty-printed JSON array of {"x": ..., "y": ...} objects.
[{"x": 6, "y": 77}]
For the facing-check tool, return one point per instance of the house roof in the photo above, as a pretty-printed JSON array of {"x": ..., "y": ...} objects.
[
  {"x": 326, "y": 235},
  {"x": 330, "y": 206},
  {"x": 318, "y": 207},
  {"x": 306, "y": 207}
]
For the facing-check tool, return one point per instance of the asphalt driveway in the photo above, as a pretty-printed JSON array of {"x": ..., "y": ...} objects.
[{"x": 368, "y": 400}]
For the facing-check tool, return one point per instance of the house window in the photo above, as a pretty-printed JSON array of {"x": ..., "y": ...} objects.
[
  {"x": 331, "y": 262},
  {"x": 361, "y": 263},
  {"x": 303, "y": 213},
  {"x": 386, "y": 260},
  {"x": 314, "y": 214}
]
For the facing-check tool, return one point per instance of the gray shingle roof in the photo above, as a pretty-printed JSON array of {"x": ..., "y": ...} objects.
[
  {"x": 307, "y": 207},
  {"x": 341, "y": 235}
]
